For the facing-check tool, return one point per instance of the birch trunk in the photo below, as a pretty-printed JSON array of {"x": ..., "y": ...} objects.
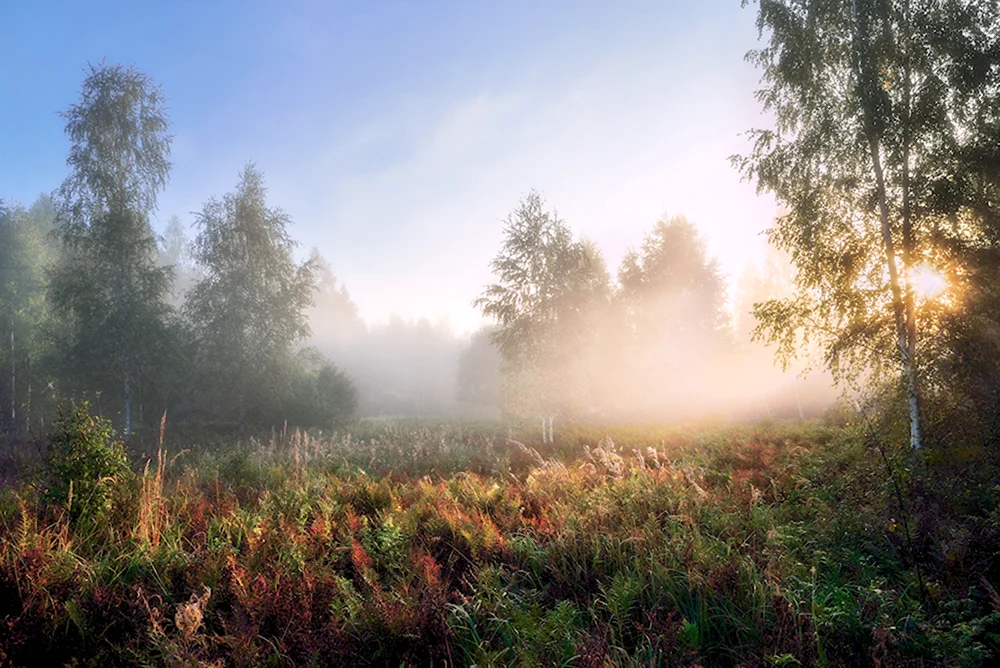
[
  {"x": 904, "y": 325},
  {"x": 27, "y": 408},
  {"x": 128, "y": 394},
  {"x": 913, "y": 389}
]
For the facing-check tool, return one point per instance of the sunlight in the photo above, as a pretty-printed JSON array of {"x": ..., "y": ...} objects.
[{"x": 928, "y": 283}]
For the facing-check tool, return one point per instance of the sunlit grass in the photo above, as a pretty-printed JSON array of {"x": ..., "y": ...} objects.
[{"x": 445, "y": 545}]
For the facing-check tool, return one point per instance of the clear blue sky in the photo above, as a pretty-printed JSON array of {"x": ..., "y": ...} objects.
[{"x": 399, "y": 134}]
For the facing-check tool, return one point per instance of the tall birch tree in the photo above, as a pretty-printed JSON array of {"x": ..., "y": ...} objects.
[
  {"x": 249, "y": 310},
  {"x": 879, "y": 108},
  {"x": 108, "y": 279}
]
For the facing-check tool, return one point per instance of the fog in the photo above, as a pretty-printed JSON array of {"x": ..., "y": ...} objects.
[
  {"x": 672, "y": 371},
  {"x": 389, "y": 165}
]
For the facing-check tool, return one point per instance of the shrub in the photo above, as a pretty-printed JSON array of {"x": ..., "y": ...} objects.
[
  {"x": 84, "y": 457},
  {"x": 325, "y": 398}
]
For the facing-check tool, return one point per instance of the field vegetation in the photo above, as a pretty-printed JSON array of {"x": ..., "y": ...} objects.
[
  {"x": 289, "y": 514},
  {"x": 407, "y": 543}
]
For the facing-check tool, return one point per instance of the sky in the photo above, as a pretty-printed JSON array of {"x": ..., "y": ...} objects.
[{"x": 399, "y": 135}]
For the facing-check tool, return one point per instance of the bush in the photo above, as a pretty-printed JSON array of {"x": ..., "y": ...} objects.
[
  {"x": 83, "y": 459},
  {"x": 325, "y": 398}
]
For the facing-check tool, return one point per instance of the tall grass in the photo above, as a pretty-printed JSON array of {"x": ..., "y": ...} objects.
[{"x": 422, "y": 544}]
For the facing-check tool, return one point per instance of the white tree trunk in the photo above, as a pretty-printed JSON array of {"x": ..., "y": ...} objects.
[
  {"x": 548, "y": 431},
  {"x": 128, "y": 398},
  {"x": 903, "y": 317},
  {"x": 27, "y": 411}
]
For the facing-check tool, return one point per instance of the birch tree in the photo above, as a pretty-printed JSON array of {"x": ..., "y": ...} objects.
[
  {"x": 108, "y": 279},
  {"x": 673, "y": 302},
  {"x": 879, "y": 108},
  {"x": 547, "y": 293},
  {"x": 249, "y": 309}
]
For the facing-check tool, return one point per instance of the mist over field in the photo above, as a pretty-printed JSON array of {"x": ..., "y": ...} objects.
[
  {"x": 419, "y": 368},
  {"x": 398, "y": 166},
  {"x": 468, "y": 334}
]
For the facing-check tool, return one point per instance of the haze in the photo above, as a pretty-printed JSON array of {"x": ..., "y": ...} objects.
[
  {"x": 448, "y": 332},
  {"x": 398, "y": 135}
]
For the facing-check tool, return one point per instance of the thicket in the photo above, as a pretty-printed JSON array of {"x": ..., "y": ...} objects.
[{"x": 88, "y": 301}]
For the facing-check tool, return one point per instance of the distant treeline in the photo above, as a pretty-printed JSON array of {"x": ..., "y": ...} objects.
[
  {"x": 228, "y": 328},
  {"x": 90, "y": 298}
]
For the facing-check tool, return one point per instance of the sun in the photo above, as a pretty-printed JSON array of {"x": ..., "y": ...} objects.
[{"x": 928, "y": 282}]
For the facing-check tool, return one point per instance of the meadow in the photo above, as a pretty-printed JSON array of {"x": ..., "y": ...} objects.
[{"x": 407, "y": 543}]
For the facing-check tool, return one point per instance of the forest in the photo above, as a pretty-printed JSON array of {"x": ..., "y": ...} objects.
[{"x": 208, "y": 457}]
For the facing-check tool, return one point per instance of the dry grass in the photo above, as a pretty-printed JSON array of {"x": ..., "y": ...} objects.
[{"x": 765, "y": 546}]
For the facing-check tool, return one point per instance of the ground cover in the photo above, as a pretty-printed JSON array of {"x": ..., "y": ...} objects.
[{"x": 452, "y": 544}]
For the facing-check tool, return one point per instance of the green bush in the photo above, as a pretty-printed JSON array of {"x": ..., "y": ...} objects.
[
  {"x": 326, "y": 398},
  {"x": 83, "y": 459}
]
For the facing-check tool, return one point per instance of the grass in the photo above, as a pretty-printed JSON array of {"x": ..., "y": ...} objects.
[{"x": 416, "y": 544}]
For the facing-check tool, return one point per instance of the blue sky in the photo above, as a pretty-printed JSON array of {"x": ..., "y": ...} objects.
[{"x": 399, "y": 134}]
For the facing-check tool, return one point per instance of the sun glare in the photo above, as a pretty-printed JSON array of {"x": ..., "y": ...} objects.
[{"x": 928, "y": 283}]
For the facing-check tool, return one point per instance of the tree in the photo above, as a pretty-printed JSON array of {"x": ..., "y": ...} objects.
[
  {"x": 83, "y": 460},
  {"x": 108, "y": 279},
  {"x": 26, "y": 255},
  {"x": 174, "y": 252},
  {"x": 333, "y": 317},
  {"x": 324, "y": 395},
  {"x": 671, "y": 300},
  {"x": 549, "y": 289},
  {"x": 671, "y": 284},
  {"x": 249, "y": 310},
  {"x": 884, "y": 153},
  {"x": 671, "y": 290},
  {"x": 774, "y": 280}
]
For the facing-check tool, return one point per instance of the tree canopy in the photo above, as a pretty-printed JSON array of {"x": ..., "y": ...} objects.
[
  {"x": 108, "y": 279},
  {"x": 248, "y": 311},
  {"x": 547, "y": 285},
  {"x": 884, "y": 154}
]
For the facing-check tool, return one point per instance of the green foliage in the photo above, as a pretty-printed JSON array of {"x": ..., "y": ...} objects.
[
  {"x": 324, "y": 398},
  {"x": 416, "y": 543},
  {"x": 753, "y": 545},
  {"x": 120, "y": 145},
  {"x": 572, "y": 344},
  {"x": 83, "y": 461},
  {"x": 885, "y": 126},
  {"x": 26, "y": 318},
  {"x": 671, "y": 289},
  {"x": 548, "y": 291},
  {"x": 248, "y": 311},
  {"x": 108, "y": 282}
]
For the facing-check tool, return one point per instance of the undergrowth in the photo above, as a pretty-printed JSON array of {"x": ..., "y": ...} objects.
[{"x": 416, "y": 544}]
